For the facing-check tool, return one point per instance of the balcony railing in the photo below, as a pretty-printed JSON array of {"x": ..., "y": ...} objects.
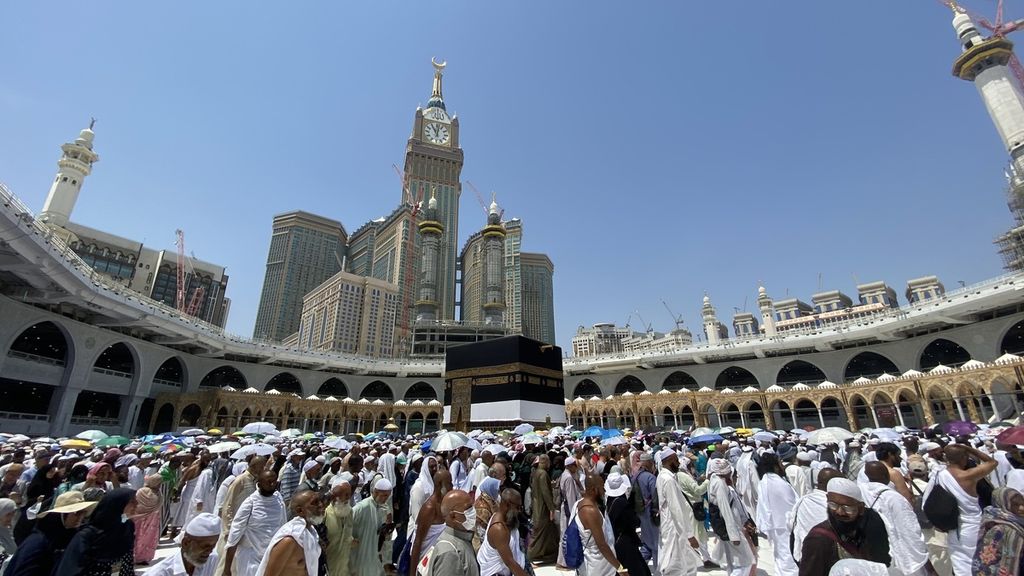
[
  {"x": 24, "y": 416},
  {"x": 34, "y": 358},
  {"x": 163, "y": 382},
  {"x": 114, "y": 373},
  {"x": 94, "y": 421}
]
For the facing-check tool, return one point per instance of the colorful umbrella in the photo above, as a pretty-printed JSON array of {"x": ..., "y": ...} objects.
[
  {"x": 959, "y": 428},
  {"x": 215, "y": 432},
  {"x": 76, "y": 443},
  {"x": 113, "y": 441},
  {"x": 704, "y": 438},
  {"x": 1013, "y": 435},
  {"x": 593, "y": 431}
]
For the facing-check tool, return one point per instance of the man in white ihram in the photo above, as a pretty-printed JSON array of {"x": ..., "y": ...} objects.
[
  {"x": 906, "y": 542},
  {"x": 677, "y": 554},
  {"x": 775, "y": 498},
  {"x": 255, "y": 523},
  {"x": 196, "y": 556},
  {"x": 746, "y": 480}
]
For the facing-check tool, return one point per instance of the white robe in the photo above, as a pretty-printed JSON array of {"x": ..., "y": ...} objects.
[
  {"x": 808, "y": 512},
  {"x": 775, "y": 499},
  {"x": 906, "y": 542},
  {"x": 746, "y": 483},
  {"x": 800, "y": 479},
  {"x": 204, "y": 493},
  {"x": 490, "y": 561},
  {"x": 675, "y": 555},
  {"x": 735, "y": 558},
  {"x": 304, "y": 535},
  {"x": 963, "y": 541},
  {"x": 255, "y": 523},
  {"x": 222, "y": 493}
]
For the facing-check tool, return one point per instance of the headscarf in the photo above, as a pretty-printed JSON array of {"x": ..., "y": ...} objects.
[
  {"x": 41, "y": 485},
  {"x": 221, "y": 468},
  {"x": 999, "y": 550},
  {"x": 96, "y": 469},
  {"x": 148, "y": 497},
  {"x": 491, "y": 487},
  {"x": 386, "y": 467},
  {"x": 425, "y": 479},
  {"x": 104, "y": 538},
  {"x": 719, "y": 467},
  {"x": 7, "y": 544}
]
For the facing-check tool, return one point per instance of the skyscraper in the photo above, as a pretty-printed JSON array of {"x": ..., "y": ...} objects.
[
  {"x": 433, "y": 164},
  {"x": 305, "y": 250},
  {"x": 538, "y": 297}
]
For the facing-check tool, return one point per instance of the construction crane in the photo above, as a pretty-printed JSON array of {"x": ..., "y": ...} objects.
[
  {"x": 185, "y": 272},
  {"x": 647, "y": 327},
  {"x": 999, "y": 29},
  {"x": 408, "y": 284},
  {"x": 678, "y": 319},
  {"x": 480, "y": 199}
]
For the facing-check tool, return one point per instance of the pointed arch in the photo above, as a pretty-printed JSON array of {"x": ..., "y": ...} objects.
[
  {"x": 631, "y": 384},
  {"x": 869, "y": 365},
  {"x": 735, "y": 378},
  {"x": 942, "y": 351},
  {"x": 586, "y": 389}
]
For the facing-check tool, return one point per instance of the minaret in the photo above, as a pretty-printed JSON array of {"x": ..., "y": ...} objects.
[
  {"x": 986, "y": 63},
  {"x": 711, "y": 323},
  {"x": 431, "y": 231},
  {"x": 764, "y": 302},
  {"x": 74, "y": 165},
  {"x": 494, "y": 269}
]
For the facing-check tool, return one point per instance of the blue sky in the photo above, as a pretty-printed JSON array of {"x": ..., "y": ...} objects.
[{"x": 654, "y": 150}]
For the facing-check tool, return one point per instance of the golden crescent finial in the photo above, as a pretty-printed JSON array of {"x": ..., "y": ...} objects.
[{"x": 438, "y": 66}]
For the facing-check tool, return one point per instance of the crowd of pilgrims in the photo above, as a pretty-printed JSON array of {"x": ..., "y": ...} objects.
[{"x": 647, "y": 507}]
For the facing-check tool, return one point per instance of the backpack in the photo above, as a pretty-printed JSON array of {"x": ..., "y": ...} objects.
[
  {"x": 717, "y": 521},
  {"x": 572, "y": 542},
  {"x": 922, "y": 518},
  {"x": 942, "y": 509},
  {"x": 368, "y": 487}
]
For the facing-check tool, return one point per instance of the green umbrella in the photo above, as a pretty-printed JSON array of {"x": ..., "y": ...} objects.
[{"x": 113, "y": 441}]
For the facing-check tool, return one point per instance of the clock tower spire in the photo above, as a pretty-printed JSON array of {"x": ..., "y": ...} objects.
[{"x": 433, "y": 165}]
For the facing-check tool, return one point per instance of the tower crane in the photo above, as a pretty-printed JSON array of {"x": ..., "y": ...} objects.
[
  {"x": 184, "y": 265},
  {"x": 647, "y": 327},
  {"x": 999, "y": 29},
  {"x": 480, "y": 199},
  {"x": 678, "y": 319}
]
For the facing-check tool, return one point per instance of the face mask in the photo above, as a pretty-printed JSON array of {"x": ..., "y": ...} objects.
[
  {"x": 316, "y": 520},
  {"x": 470, "y": 522},
  {"x": 124, "y": 518}
]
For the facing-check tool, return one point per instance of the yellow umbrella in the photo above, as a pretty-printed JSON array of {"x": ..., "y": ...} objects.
[
  {"x": 744, "y": 432},
  {"x": 76, "y": 443},
  {"x": 215, "y": 432}
]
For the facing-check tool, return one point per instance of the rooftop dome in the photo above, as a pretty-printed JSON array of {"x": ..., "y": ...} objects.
[
  {"x": 750, "y": 389},
  {"x": 312, "y": 397},
  {"x": 377, "y": 402},
  {"x": 331, "y": 399},
  {"x": 610, "y": 397},
  {"x": 663, "y": 391},
  {"x": 827, "y": 384},
  {"x": 363, "y": 401},
  {"x": 1007, "y": 359},
  {"x": 272, "y": 392},
  {"x": 348, "y": 401},
  {"x": 417, "y": 403},
  {"x": 972, "y": 364},
  {"x": 251, "y": 390},
  {"x": 801, "y": 386},
  {"x": 433, "y": 403},
  {"x": 401, "y": 403},
  {"x": 862, "y": 381},
  {"x": 229, "y": 389},
  {"x": 627, "y": 393},
  {"x": 728, "y": 391},
  {"x": 775, "y": 388},
  {"x": 645, "y": 393},
  {"x": 593, "y": 398},
  {"x": 705, "y": 388},
  {"x": 578, "y": 399},
  {"x": 885, "y": 377},
  {"x": 941, "y": 369},
  {"x": 911, "y": 374}
]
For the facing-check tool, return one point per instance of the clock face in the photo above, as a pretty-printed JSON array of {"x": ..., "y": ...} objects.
[{"x": 436, "y": 133}]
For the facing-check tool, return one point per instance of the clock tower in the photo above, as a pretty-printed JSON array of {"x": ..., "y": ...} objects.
[{"x": 433, "y": 165}]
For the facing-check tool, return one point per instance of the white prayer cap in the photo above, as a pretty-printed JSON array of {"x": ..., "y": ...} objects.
[
  {"x": 238, "y": 468},
  {"x": 804, "y": 457},
  {"x": 854, "y": 444},
  {"x": 927, "y": 447},
  {"x": 846, "y": 488},
  {"x": 203, "y": 525},
  {"x": 855, "y": 567},
  {"x": 369, "y": 459},
  {"x": 570, "y": 461},
  {"x": 296, "y": 452},
  {"x": 719, "y": 467},
  {"x": 383, "y": 485},
  {"x": 321, "y": 459},
  {"x": 665, "y": 454},
  {"x": 309, "y": 465}
]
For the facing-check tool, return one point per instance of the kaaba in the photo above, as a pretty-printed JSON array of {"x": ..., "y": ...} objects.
[{"x": 503, "y": 382}]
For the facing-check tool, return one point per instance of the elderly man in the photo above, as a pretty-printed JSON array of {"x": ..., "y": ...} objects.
[
  {"x": 452, "y": 554},
  {"x": 295, "y": 548},
  {"x": 809, "y": 511},
  {"x": 747, "y": 479},
  {"x": 570, "y": 490},
  {"x": 311, "y": 474},
  {"x": 799, "y": 474},
  {"x": 196, "y": 557},
  {"x": 906, "y": 542},
  {"x": 859, "y": 532},
  {"x": 339, "y": 528},
  {"x": 544, "y": 540},
  {"x": 500, "y": 553},
  {"x": 241, "y": 488},
  {"x": 775, "y": 498},
  {"x": 367, "y": 519},
  {"x": 676, "y": 554},
  {"x": 257, "y": 520}
]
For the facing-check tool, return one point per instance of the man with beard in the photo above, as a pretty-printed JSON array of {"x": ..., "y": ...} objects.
[
  {"x": 907, "y": 547},
  {"x": 196, "y": 556},
  {"x": 889, "y": 454},
  {"x": 858, "y": 530},
  {"x": 295, "y": 548},
  {"x": 544, "y": 539},
  {"x": 808, "y": 512},
  {"x": 339, "y": 529},
  {"x": 775, "y": 499},
  {"x": 747, "y": 479},
  {"x": 649, "y": 508},
  {"x": 367, "y": 519},
  {"x": 241, "y": 488},
  {"x": 677, "y": 544},
  {"x": 500, "y": 553},
  {"x": 430, "y": 520},
  {"x": 255, "y": 523}
]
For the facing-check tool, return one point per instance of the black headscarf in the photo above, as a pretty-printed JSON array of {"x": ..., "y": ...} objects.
[
  {"x": 41, "y": 485},
  {"x": 104, "y": 538}
]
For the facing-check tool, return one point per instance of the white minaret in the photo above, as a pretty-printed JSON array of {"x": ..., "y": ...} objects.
[
  {"x": 711, "y": 323},
  {"x": 74, "y": 165},
  {"x": 494, "y": 270},
  {"x": 764, "y": 302},
  {"x": 986, "y": 64}
]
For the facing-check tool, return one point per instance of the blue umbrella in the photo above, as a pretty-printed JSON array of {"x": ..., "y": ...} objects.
[
  {"x": 594, "y": 431},
  {"x": 611, "y": 433},
  {"x": 704, "y": 438},
  {"x": 425, "y": 447}
]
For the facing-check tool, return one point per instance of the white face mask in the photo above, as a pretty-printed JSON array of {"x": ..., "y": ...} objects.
[{"x": 470, "y": 522}]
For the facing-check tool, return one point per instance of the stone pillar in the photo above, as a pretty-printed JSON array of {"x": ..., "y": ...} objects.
[
  {"x": 874, "y": 416},
  {"x": 62, "y": 406},
  {"x": 743, "y": 419},
  {"x": 960, "y": 408},
  {"x": 129, "y": 412},
  {"x": 899, "y": 414},
  {"x": 792, "y": 414},
  {"x": 821, "y": 417}
]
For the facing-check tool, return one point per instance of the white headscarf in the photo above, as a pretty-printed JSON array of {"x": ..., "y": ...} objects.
[
  {"x": 425, "y": 480},
  {"x": 386, "y": 466}
]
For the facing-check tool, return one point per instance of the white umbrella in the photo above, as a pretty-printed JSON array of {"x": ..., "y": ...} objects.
[
  {"x": 556, "y": 431},
  {"x": 193, "y": 432},
  {"x": 448, "y": 441},
  {"x": 44, "y": 440},
  {"x": 259, "y": 428},
  {"x": 614, "y": 441},
  {"x": 338, "y": 443},
  {"x": 226, "y": 446},
  {"x": 473, "y": 444},
  {"x": 494, "y": 449},
  {"x": 259, "y": 449},
  {"x": 486, "y": 436},
  {"x": 90, "y": 435},
  {"x": 19, "y": 438},
  {"x": 523, "y": 429},
  {"x": 475, "y": 433},
  {"x": 531, "y": 438},
  {"x": 271, "y": 439},
  {"x": 829, "y": 435},
  {"x": 764, "y": 436},
  {"x": 291, "y": 433},
  {"x": 886, "y": 434},
  {"x": 702, "y": 432},
  {"x": 725, "y": 431}
]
